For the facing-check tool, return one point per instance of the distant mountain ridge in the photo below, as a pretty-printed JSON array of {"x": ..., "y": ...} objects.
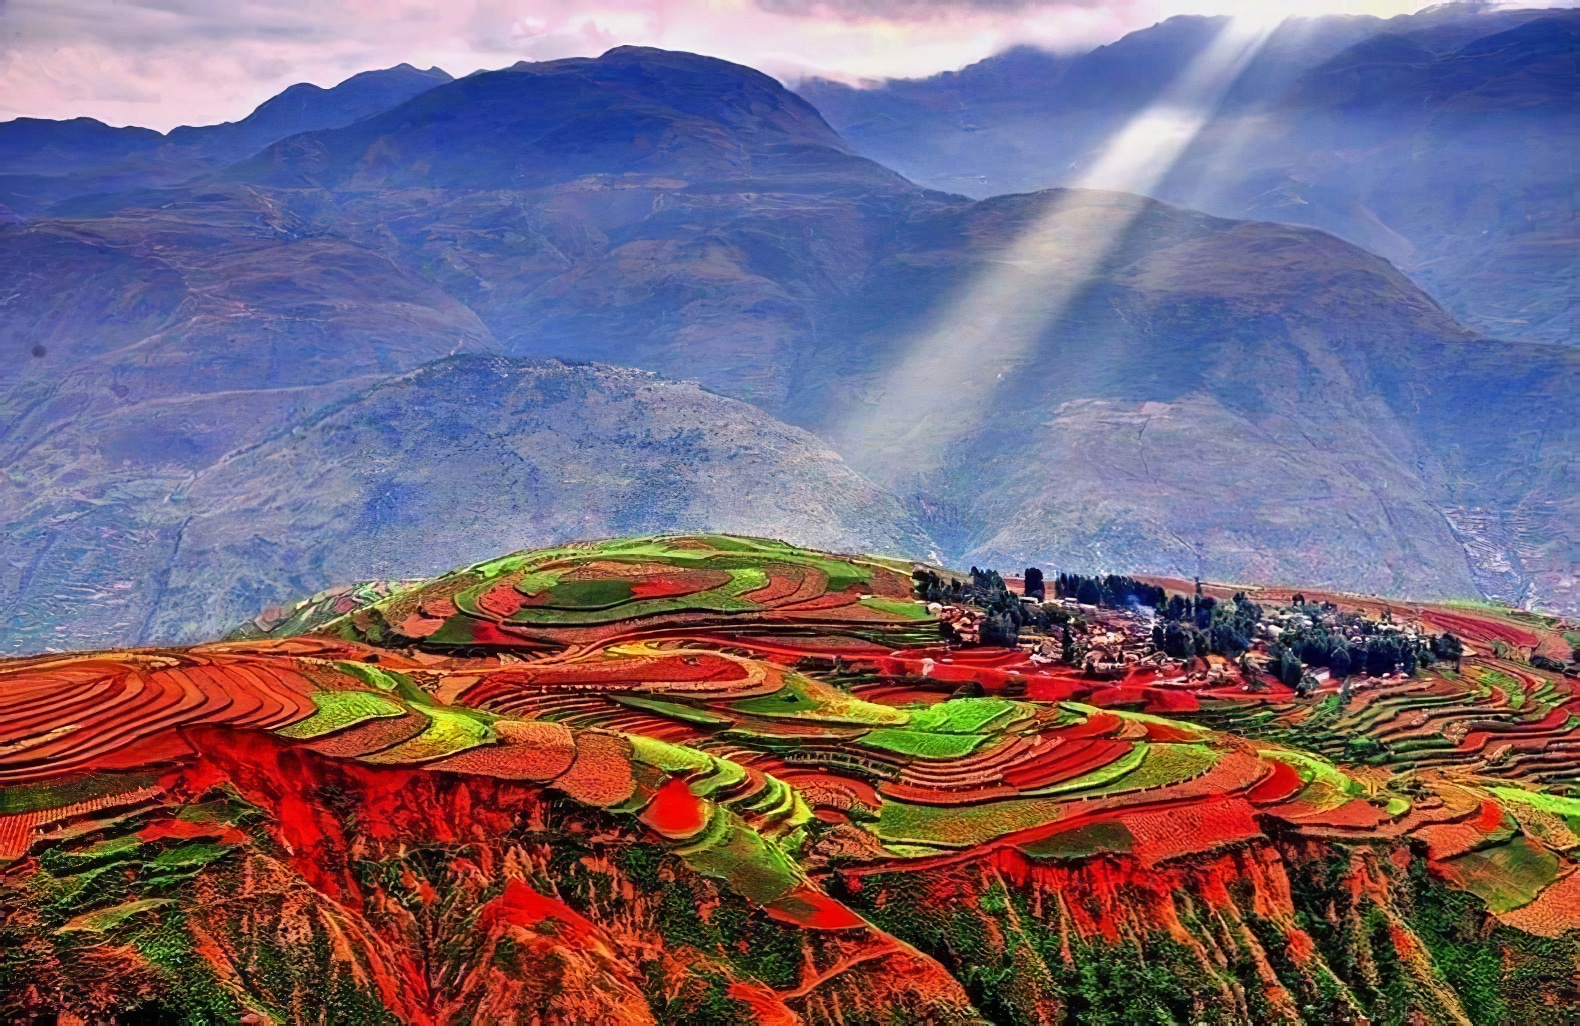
[
  {"x": 44, "y": 161},
  {"x": 1441, "y": 140},
  {"x": 635, "y": 110},
  {"x": 1298, "y": 404}
]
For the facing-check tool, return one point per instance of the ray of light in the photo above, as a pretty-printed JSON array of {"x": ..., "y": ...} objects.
[{"x": 941, "y": 386}]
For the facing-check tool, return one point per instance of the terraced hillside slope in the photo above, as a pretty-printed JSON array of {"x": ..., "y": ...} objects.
[
  {"x": 720, "y": 779},
  {"x": 691, "y": 217}
]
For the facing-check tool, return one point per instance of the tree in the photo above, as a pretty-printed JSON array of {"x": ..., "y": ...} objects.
[
  {"x": 1447, "y": 647},
  {"x": 999, "y": 629},
  {"x": 1286, "y": 666},
  {"x": 1034, "y": 584}
]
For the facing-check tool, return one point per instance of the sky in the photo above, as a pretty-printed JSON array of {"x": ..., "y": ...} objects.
[{"x": 162, "y": 63}]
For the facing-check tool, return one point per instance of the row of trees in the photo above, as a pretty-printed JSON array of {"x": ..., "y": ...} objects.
[
  {"x": 1374, "y": 654},
  {"x": 1201, "y": 624},
  {"x": 1110, "y": 590},
  {"x": 1005, "y": 613}
]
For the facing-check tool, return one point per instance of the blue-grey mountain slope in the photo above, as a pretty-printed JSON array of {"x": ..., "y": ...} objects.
[
  {"x": 1443, "y": 140},
  {"x": 44, "y": 161},
  {"x": 693, "y": 218}
]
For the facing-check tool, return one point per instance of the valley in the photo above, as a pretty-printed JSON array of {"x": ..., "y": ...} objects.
[
  {"x": 712, "y": 778},
  {"x": 1166, "y": 391}
]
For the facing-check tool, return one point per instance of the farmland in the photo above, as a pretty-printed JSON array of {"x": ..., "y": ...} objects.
[{"x": 713, "y": 779}]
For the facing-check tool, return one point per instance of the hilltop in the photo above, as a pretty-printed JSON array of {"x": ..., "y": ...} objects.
[{"x": 729, "y": 779}]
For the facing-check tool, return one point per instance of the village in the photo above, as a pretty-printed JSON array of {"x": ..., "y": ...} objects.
[{"x": 1114, "y": 640}]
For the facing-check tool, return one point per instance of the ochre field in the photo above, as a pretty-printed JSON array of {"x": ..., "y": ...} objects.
[{"x": 719, "y": 779}]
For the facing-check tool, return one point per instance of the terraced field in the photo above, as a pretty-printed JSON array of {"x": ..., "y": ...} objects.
[{"x": 719, "y": 779}]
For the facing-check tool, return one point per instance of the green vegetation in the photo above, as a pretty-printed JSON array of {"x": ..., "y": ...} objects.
[
  {"x": 1513, "y": 687},
  {"x": 962, "y": 715},
  {"x": 449, "y": 730},
  {"x": 668, "y": 757},
  {"x": 674, "y": 710},
  {"x": 340, "y": 709},
  {"x": 106, "y": 919},
  {"x": 923, "y": 745},
  {"x": 1163, "y": 764},
  {"x": 958, "y": 826},
  {"x": 802, "y": 698},
  {"x": 1083, "y": 842},
  {"x": 37, "y": 797},
  {"x": 1313, "y": 770},
  {"x": 752, "y": 865},
  {"x": 899, "y": 607},
  {"x": 1508, "y": 875}
]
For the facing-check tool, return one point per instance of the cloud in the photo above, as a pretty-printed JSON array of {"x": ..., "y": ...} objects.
[
  {"x": 162, "y": 63},
  {"x": 903, "y": 9}
]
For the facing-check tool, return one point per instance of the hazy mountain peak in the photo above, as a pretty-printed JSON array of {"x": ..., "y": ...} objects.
[{"x": 632, "y": 111}]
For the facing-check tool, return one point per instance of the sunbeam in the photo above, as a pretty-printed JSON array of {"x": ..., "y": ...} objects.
[{"x": 943, "y": 383}]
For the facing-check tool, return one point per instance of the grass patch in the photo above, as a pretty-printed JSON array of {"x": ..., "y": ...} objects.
[
  {"x": 1084, "y": 842},
  {"x": 106, "y": 919},
  {"x": 802, "y": 698},
  {"x": 38, "y": 797},
  {"x": 752, "y": 865},
  {"x": 1316, "y": 771},
  {"x": 189, "y": 856},
  {"x": 907, "y": 608},
  {"x": 449, "y": 730},
  {"x": 922, "y": 744},
  {"x": 340, "y": 709},
  {"x": 960, "y": 826},
  {"x": 1162, "y": 765},
  {"x": 1558, "y": 805},
  {"x": 1510, "y": 686},
  {"x": 1508, "y": 876},
  {"x": 961, "y": 715}
]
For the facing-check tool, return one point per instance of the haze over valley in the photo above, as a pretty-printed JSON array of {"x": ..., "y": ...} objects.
[{"x": 243, "y": 359}]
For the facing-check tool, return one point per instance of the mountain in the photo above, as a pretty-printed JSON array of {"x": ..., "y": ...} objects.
[
  {"x": 1439, "y": 140},
  {"x": 1234, "y": 400},
  {"x": 993, "y": 363},
  {"x": 305, "y": 107},
  {"x": 501, "y": 453},
  {"x": 633, "y": 111},
  {"x": 718, "y": 779},
  {"x": 149, "y": 520},
  {"x": 43, "y": 161}
]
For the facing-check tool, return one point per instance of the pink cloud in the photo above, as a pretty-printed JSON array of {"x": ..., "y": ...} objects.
[{"x": 162, "y": 63}]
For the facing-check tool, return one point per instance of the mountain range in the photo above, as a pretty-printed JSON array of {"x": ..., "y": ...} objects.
[
  {"x": 362, "y": 351},
  {"x": 43, "y": 161},
  {"x": 1440, "y": 140}
]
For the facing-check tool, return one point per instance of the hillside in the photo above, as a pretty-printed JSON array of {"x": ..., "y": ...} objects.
[
  {"x": 691, "y": 217},
  {"x": 721, "y": 779},
  {"x": 1439, "y": 140},
  {"x": 1234, "y": 400},
  {"x": 400, "y": 478}
]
